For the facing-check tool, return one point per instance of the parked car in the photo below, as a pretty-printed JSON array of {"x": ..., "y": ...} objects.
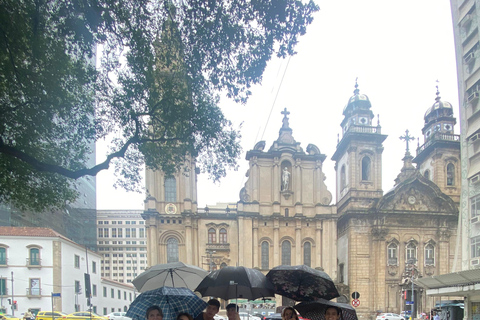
[
  {"x": 8, "y": 317},
  {"x": 118, "y": 316},
  {"x": 247, "y": 316},
  {"x": 389, "y": 316},
  {"x": 84, "y": 315},
  {"x": 274, "y": 316},
  {"x": 49, "y": 315}
]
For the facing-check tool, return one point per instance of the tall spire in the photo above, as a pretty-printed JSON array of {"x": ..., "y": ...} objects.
[{"x": 356, "y": 91}]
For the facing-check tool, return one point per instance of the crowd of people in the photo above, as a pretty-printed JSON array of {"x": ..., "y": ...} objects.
[{"x": 213, "y": 306}]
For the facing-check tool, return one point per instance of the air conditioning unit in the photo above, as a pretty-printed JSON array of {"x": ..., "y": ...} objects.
[
  {"x": 475, "y": 262},
  {"x": 466, "y": 22},
  {"x": 475, "y": 179},
  {"x": 469, "y": 58},
  {"x": 473, "y": 97},
  {"x": 475, "y": 220},
  {"x": 475, "y": 137}
]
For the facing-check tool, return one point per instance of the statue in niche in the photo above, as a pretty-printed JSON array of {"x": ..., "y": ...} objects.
[{"x": 285, "y": 179}]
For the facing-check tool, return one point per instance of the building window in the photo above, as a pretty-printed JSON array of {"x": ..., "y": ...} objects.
[
  {"x": 366, "y": 164},
  {"x": 114, "y": 232},
  {"x": 105, "y": 232},
  {"x": 105, "y": 292},
  {"x": 77, "y": 261},
  {"x": 170, "y": 189},
  {"x": 212, "y": 236},
  {"x": 100, "y": 232},
  {"x": 392, "y": 253},
  {"x": 3, "y": 256},
  {"x": 77, "y": 287},
  {"x": 141, "y": 232},
  {"x": 134, "y": 232},
  {"x": 34, "y": 257},
  {"x": 411, "y": 253},
  {"x": 341, "y": 273},
  {"x": 265, "y": 255},
  {"x": 343, "y": 178},
  {"x": 112, "y": 293},
  {"x": 286, "y": 253},
  {"x": 94, "y": 267},
  {"x": 172, "y": 250},
  {"x": 119, "y": 294},
  {"x": 429, "y": 255},
  {"x": 475, "y": 206},
  {"x": 120, "y": 233},
  {"x": 3, "y": 287},
  {"x": 127, "y": 232},
  {"x": 94, "y": 290},
  {"x": 426, "y": 174},
  {"x": 307, "y": 254},
  {"x": 475, "y": 245},
  {"x": 223, "y": 236},
  {"x": 450, "y": 174}
]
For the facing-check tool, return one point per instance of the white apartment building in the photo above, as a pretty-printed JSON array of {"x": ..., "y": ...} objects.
[{"x": 122, "y": 242}]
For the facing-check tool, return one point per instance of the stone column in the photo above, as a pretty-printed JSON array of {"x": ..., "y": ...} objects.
[
  {"x": 319, "y": 244},
  {"x": 276, "y": 254},
  {"x": 298, "y": 242},
  {"x": 255, "y": 244},
  {"x": 241, "y": 244},
  {"x": 188, "y": 240}
]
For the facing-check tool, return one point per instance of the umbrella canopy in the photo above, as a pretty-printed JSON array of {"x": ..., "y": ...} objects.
[
  {"x": 176, "y": 274},
  {"x": 236, "y": 282},
  {"x": 316, "y": 310},
  {"x": 171, "y": 300},
  {"x": 302, "y": 283}
]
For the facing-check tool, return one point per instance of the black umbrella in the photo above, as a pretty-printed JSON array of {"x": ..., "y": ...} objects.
[
  {"x": 316, "y": 310},
  {"x": 236, "y": 282},
  {"x": 302, "y": 283}
]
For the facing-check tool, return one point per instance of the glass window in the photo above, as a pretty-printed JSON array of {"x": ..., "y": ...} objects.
[
  {"x": 3, "y": 256},
  {"x": 223, "y": 236},
  {"x": 142, "y": 233},
  {"x": 450, "y": 174},
  {"x": 77, "y": 261},
  {"x": 134, "y": 232},
  {"x": 77, "y": 286},
  {"x": 120, "y": 232},
  {"x": 3, "y": 287},
  {"x": 170, "y": 189},
  {"x": 411, "y": 253},
  {"x": 105, "y": 232},
  {"x": 212, "y": 236},
  {"x": 114, "y": 232},
  {"x": 105, "y": 292},
  {"x": 94, "y": 267},
  {"x": 112, "y": 293},
  {"x": 265, "y": 255},
  {"x": 341, "y": 273},
  {"x": 94, "y": 290},
  {"x": 100, "y": 232},
  {"x": 475, "y": 206},
  {"x": 475, "y": 245},
  {"x": 343, "y": 178},
  {"x": 35, "y": 257},
  {"x": 392, "y": 253},
  {"x": 307, "y": 254},
  {"x": 127, "y": 232},
  {"x": 172, "y": 250},
  {"x": 366, "y": 163},
  {"x": 286, "y": 253},
  {"x": 429, "y": 254}
]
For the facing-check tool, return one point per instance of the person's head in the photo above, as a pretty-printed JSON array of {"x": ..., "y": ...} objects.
[
  {"x": 212, "y": 308},
  {"x": 288, "y": 313},
  {"x": 154, "y": 313},
  {"x": 232, "y": 310},
  {"x": 184, "y": 316},
  {"x": 332, "y": 313}
]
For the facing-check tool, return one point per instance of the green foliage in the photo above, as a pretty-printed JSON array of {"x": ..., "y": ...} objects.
[{"x": 159, "y": 69}]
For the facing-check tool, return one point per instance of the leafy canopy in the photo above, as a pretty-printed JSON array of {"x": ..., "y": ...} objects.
[{"x": 147, "y": 73}]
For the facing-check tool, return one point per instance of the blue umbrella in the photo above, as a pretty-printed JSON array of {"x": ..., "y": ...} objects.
[{"x": 172, "y": 301}]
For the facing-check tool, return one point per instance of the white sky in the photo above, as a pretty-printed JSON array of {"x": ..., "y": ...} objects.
[{"x": 397, "y": 49}]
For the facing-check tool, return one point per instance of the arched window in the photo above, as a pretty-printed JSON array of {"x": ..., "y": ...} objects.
[
  {"x": 172, "y": 250},
  {"x": 411, "y": 253},
  {"x": 366, "y": 164},
  {"x": 287, "y": 212},
  {"x": 450, "y": 174},
  {"x": 3, "y": 256},
  {"x": 223, "y": 236},
  {"x": 125, "y": 309},
  {"x": 212, "y": 236},
  {"x": 170, "y": 189},
  {"x": 265, "y": 255},
  {"x": 392, "y": 252},
  {"x": 307, "y": 254},
  {"x": 343, "y": 178},
  {"x": 34, "y": 257},
  {"x": 426, "y": 174},
  {"x": 429, "y": 255},
  {"x": 286, "y": 253}
]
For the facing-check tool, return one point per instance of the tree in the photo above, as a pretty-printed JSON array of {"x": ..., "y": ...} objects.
[{"x": 160, "y": 67}]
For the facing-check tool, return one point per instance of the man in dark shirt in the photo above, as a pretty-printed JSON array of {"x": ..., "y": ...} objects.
[{"x": 211, "y": 310}]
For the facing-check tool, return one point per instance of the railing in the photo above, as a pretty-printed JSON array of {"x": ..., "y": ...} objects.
[
  {"x": 218, "y": 246},
  {"x": 364, "y": 129},
  {"x": 34, "y": 262},
  {"x": 438, "y": 136},
  {"x": 34, "y": 291}
]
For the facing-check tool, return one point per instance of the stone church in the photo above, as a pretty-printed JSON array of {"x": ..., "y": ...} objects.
[{"x": 371, "y": 242}]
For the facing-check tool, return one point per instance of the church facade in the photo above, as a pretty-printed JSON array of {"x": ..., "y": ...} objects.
[{"x": 369, "y": 242}]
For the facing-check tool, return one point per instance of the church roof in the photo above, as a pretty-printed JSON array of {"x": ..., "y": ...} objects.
[
  {"x": 445, "y": 106},
  {"x": 357, "y": 101}
]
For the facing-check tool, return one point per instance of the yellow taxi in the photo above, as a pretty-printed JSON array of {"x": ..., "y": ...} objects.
[
  {"x": 8, "y": 317},
  {"x": 49, "y": 315},
  {"x": 83, "y": 315}
]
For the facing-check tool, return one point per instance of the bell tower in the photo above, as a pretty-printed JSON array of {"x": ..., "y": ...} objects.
[
  {"x": 358, "y": 157},
  {"x": 438, "y": 159}
]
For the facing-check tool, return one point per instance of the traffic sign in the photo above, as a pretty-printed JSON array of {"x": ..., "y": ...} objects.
[
  {"x": 409, "y": 302},
  {"x": 355, "y": 295},
  {"x": 56, "y": 294},
  {"x": 355, "y": 303}
]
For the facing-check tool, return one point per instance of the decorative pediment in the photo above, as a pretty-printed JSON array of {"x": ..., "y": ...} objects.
[
  {"x": 217, "y": 225},
  {"x": 417, "y": 194}
]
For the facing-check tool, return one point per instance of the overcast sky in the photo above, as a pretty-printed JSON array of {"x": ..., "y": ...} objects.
[{"x": 397, "y": 49}]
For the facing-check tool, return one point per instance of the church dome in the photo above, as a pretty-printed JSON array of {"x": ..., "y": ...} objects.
[
  {"x": 439, "y": 108},
  {"x": 357, "y": 101}
]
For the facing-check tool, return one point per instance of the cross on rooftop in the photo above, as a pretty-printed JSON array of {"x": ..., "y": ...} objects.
[{"x": 407, "y": 138}]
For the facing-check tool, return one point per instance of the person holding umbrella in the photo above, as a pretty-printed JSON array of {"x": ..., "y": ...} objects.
[
  {"x": 213, "y": 306},
  {"x": 154, "y": 313},
  {"x": 232, "y": 312},
  {"x": 332, "y": 313},
  {"x": 289, "y": 313}
]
